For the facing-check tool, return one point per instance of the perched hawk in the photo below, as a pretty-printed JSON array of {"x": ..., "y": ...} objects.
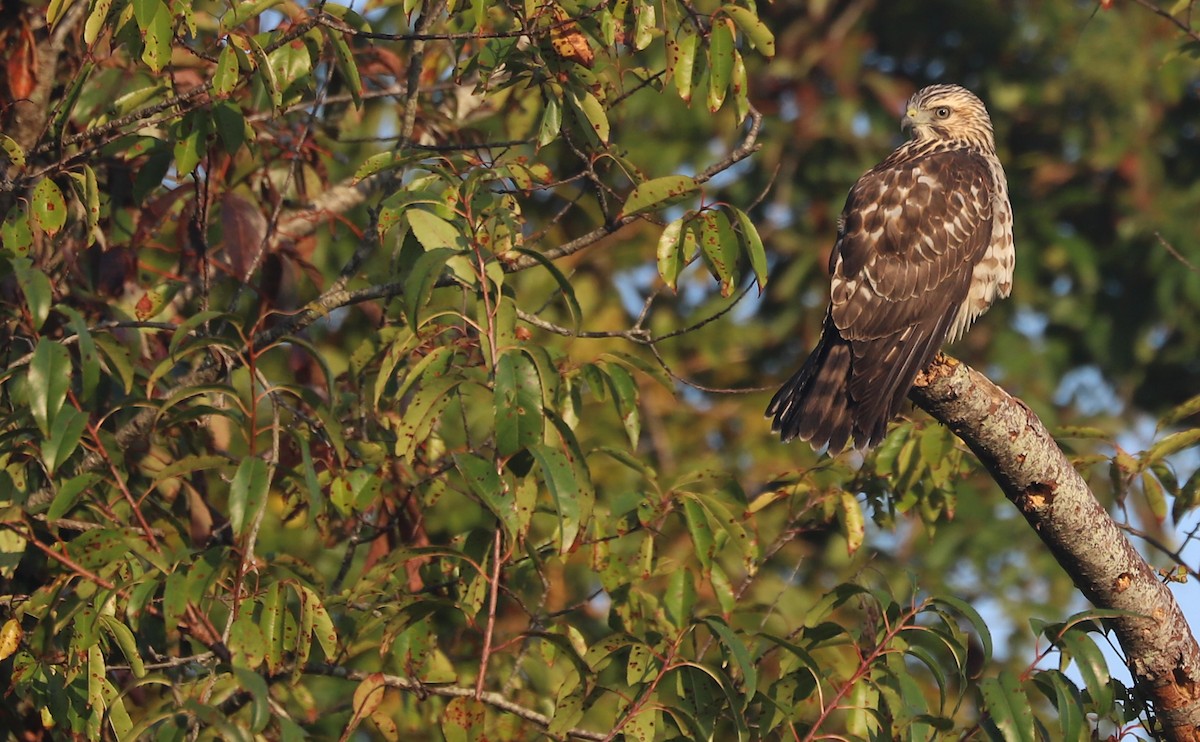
[{"x": 924, "y": 247}]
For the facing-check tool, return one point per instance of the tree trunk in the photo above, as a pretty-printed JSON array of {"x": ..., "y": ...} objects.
[{"x": 1036, "y": 476}]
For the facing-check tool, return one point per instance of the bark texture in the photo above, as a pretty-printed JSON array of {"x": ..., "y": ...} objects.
[{"x": 1038, "y": 478}]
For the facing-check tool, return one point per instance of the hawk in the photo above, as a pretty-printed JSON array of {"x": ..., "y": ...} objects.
[{"x": 924, "y": 246}]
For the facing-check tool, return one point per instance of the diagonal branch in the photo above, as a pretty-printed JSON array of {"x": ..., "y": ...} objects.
[{"x": 1038, "y": 478}]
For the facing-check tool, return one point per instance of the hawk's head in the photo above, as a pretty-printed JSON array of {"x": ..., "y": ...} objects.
[{"x": 948, "y": 112}]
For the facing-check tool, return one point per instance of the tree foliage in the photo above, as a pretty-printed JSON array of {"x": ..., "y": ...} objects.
[{"x": 367, "y": 369}]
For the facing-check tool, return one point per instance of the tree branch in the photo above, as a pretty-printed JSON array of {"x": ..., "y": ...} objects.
[
  {"x": 1038, "y": 478},
  {"x": 494, "y": 700}
]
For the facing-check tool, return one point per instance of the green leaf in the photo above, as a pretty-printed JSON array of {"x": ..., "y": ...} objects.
[
  {"x": 642, "y": 726},
  {"x": 750, "y": 24},
  {"x": 189, "y": 464},
  {"x": 568, "y": 712},
  {"x": 95, "y": 21},
  {"x": 54, "y": 11},
  {"x": 1008, "y": 707},
  {"x": 346, "y": 64},
  {"x": 271, "y": 622},
  {"x": 741, "y": 656},
  {"x": 463, "y": 720},
  {"x": 38, "y": 293},
  {"x": 266, "y": 73},
  {"x": 260, "y": 695},
  {"x": 565, "y": 491},
  {"x": 101, "y": 547},
  {"x": 48, "y": 379},
  {"x": 967, "y": 611},
  {"x": 1180, "y": 412},
  {"x": 248, "y": 493},
  {"x": 680, "y": 597},
  {"x": 322, "y": 624},
  {"x": 653, "y": 369},
  {"x": 175, "y": 598},
  {"x": 123, "y": 638},
  {"x": 89, "y": 195},
  {"x": 423, "y": 412},
  {"x": 719, "y": 246},
  {"x": 565, "y": 288},
  {"x": 591, "y": 116},
  {"x": 644, "y": 24},
  {"x": 303, "y": 636},
  {"x": 740, "y": 85},
  {"x": 1171, "y": 444},
  {"x": 12, "y": 549},
  {"x": 157, "y": 37},
  {"x": 1091, "y": 664},
  {"x": 227, "y": 75},
  {"x": 48, "y": 207},
  {"x": 68, "y": 493},
  {"x": 1065, "y": 696},
  {"x": 118, "y": 360},
  {"x": 231, "y": 125},
  {"x": 670, "y": 254},
  {"x": 483, "y": 479},
  {"x": 1188, "y": 498},
  {"x": 701, "y": 531},
  {"x": 1156, "y": 499},
  {"x": 64, "y": 438},
  {"x": 422, "y": 279},
  {"x": 16, "y": 155},
  {"x": 355, "y": 491},
  {"x": 551, "y": 123},
  {"x": 244, "y": 11},
  {"x": 143, "y": 13},
  {"x": 853, "y": 523},
  {"x": 625, "y": 398},
  {"x": 190, "y": 142},
  {"x": 434, "y": 365},
  {"x": 752, "y": 245},
  {"x": 720, "y": 62},
  {"x": 659, "y": 192},
  {"x": 684, "y": 62},
  {"x": 640, "y": 665},
  {"x": 434, "y": 232},
  {"x": 518, "y": 401},
  {"x": 15, "y": 232},
  {"x": 96, "y": 673},
  {"x": 292, "y": 66},
  {"x": 377, "y": 163}
]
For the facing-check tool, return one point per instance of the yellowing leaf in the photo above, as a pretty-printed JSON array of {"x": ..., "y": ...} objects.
[
  {"x": 49, "y": 208},
  {"x": 756, "y": 31},
  {"x": 853, "y": 524},
  {"x": 10, "y": 638},
  {"x": 659, "y": 192},
  {"x": 720, "y": 62}
]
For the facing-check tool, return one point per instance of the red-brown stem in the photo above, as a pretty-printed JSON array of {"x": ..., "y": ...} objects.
[
  {"x": 648, "y": 691},
  {"x": 864, "y": 667},
  {"x": 491, "y": 620},
  {"x": 94, "y": 431}
]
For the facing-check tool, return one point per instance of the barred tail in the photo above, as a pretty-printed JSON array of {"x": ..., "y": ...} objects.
[{"x": 814, "y": 405}]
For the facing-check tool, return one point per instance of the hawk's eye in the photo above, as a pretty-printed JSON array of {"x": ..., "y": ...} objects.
[{"x": 942, "y": 112}]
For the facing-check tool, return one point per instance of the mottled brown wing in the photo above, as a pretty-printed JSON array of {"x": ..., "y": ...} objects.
[{"x": 911, "y": 234}]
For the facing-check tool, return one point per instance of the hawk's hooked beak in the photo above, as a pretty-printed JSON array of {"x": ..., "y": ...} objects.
[{"x": 910, "y": 120}]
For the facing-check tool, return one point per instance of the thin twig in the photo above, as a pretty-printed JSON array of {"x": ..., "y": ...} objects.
[
  {"x": 1187, "y": 29},
  {"x": 1175, "y": 253},
  {"x": 421, "y": 690},
  {"x": 1176, "y": 555}
]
